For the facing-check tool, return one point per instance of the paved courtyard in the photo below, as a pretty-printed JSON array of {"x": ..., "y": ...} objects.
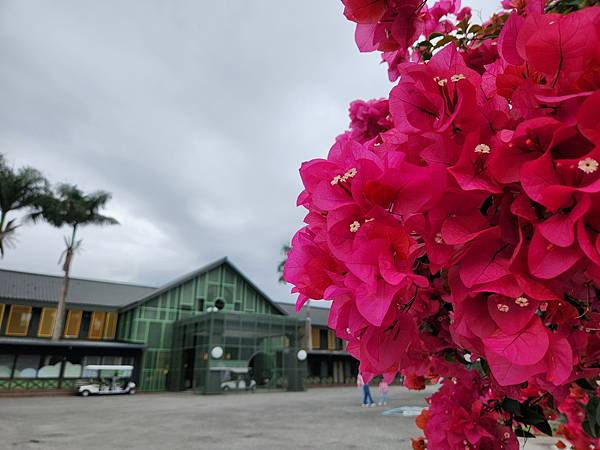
[{"x": 325, "y": 418}]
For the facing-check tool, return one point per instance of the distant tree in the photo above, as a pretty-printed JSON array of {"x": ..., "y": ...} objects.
[
  {"x": 69, "y": 206},
  {"x": 19, "y": 190},
  {"x": 284, "y": 250}
]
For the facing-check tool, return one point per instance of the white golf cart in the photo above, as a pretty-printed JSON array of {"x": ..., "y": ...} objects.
[
  {"x": 236, "y": 378},
  {"x": 106, "y": 380}
]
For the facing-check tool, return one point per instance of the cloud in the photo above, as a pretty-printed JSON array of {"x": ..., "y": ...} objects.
[{"x": 196, "y": 116}]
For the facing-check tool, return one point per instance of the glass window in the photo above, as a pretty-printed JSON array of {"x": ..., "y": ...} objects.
[
  {"x": 127, "y": 360},
  {"x": 213, "y": 292},
  {"x": 47, "y": 322},
  {"x": 97, "y": 325},
  {"x": 111, "y": 360},
  {"x": 228, "y": 275},
  {"x": 215, "y": 275},
  {"x": 50, "y": 367},
  {"x": 330, "y": 340},
  {"x": 201, "y": 286},
  {"x": 27, "y": 366},
  {"x": 73, "y": 367},
  {"x": 92, "y": 360},
  {"x": 154, "y": 334},
  {"x": 322, "y": 339},
  {"x": 228, "y": 293},
  {"x": 18, "y": 320},
  {"x": 250, "y": 298},
  {"x": 141, "y": 331},
  {"x": 73, "y": 324},
  {"x": 187, "y": 293},
  {"x": 6, "y": 365},
  {"x": 110, "y": 326},
  {"x": 316, "y": 338}
]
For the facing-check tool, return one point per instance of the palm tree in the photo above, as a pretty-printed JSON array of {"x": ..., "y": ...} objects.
[
  {"x": 18, "y": 190},
  {"x": 284, "y": 250},
  {"x": 71, "y": 207}
]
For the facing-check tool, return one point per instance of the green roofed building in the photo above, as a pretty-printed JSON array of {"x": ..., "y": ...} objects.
[{"x": 210, "y": 330}]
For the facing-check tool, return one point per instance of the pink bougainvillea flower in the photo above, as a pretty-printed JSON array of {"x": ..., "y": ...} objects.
[
  {"x": 369, "y": 119},
  {"x": 588, "y": 118},
  {"x": 308, "y": 267},
  {"x": 364, "y": 11},
  {"x": 525, "y": 347},
  {"x": 552, "y": 184},
  {"x": 529, "y": 141},
  {"x": 456, "y": 226},
  {"x": 435, "y": 96},
  {"x": 487, "y": 260},
  {"x": 547, "y": 260}
]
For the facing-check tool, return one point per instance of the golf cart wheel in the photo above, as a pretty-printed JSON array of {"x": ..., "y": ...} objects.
[
  {"x": 131, "y": 391},
  {"x": 225, "y": 388},
  {"x": 85, "y": 393}
]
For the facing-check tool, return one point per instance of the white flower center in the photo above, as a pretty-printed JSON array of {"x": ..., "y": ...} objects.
[
  {"x": 522, "y": 302},
  {"x": 502, "y": 307},
  {"x": 354, "y": 226},
  {"x": 457, "y": 77},
  {"x": 438, "y": 238},
  {"x": 443, "y": 82},
  {"x": 483, "y": 148},
  {"x": 350, "y": 174},
  {"x": 588, "y": 165}
]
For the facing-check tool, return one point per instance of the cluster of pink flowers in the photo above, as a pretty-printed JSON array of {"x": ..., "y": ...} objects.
[
  {"x": 456, "y": 226},
  {"x": 574, "y": 410}
]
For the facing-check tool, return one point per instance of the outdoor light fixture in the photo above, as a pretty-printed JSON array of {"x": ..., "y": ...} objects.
[
  {"x": 301, "y": 355},
  {"x": 217, "y": 352}
]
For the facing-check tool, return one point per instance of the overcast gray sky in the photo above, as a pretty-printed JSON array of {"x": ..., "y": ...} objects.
[{"x": 195, "y": 114}]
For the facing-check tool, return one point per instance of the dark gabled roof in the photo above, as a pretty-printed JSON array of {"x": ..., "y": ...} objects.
[
  {"x": 191, "y": 275},
  {"x": 34, "y": 288},
  {"x": 319, "y": 315}
]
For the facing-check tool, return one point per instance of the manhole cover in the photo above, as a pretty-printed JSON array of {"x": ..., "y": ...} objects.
[{"x": 405, "y": 411}]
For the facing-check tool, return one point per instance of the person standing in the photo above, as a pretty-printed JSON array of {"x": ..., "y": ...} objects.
[
  {"x": 367, "y": 399},
  {"x": 383, "y": 393}
]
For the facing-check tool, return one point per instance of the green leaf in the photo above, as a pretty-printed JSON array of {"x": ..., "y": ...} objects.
[
  {"x": 445, "y": 40},
  {"x": 591, "y": 424},
  {"x": 544, "y": 427},
  {"x": 532, "y": 415},
  {"x": 511, "y": 406},
  {"x": 585, "y": 384},
  {"x": 590, "y": 430},
  {"x": 475, "y": 28},
  {"x": 434, "y": 35}
]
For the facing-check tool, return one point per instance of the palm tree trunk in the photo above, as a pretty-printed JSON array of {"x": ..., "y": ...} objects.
[
  {"x": 61, "y": 308},
  {"x": 2, "y": 220}
]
